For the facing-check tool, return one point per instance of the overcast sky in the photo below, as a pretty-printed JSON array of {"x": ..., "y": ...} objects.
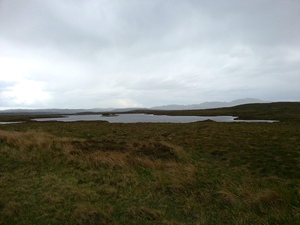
[{"x": 143, "y": 53}]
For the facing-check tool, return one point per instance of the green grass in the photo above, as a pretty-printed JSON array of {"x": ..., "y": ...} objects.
[{"x": 197, "y": 173}]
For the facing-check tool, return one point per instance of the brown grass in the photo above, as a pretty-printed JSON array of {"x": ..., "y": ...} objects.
[
  {"x": 144, "y": 213},
  {"x": 269, "y": 198},
  {"x": 226, "y": 197},
  {"x": 29, "y": 139},
  {"x": 91, "y": 215},
  {"x": 12, "y": 208}
]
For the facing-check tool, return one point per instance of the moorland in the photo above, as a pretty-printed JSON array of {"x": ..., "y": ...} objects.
[{"x": 207, "y": 172}]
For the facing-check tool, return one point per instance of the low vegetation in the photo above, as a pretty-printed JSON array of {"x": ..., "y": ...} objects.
[{"x": 196, "y": 173}]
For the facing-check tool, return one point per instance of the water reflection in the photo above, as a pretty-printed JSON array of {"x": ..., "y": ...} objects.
[{"x": 11, "y": 122}]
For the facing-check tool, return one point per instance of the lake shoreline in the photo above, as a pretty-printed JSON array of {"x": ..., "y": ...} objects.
[{"x": 147, "y": 118}]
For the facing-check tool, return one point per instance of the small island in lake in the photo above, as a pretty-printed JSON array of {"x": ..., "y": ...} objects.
[{"x": 108, "y": 114}]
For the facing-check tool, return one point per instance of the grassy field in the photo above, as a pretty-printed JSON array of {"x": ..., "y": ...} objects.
[{"x": 196, "y": 173}]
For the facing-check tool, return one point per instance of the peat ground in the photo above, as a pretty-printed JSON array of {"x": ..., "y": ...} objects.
[{"x": 195, "y": 173}]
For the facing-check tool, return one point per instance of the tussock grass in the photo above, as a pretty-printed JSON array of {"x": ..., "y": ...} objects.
[
  {"x": 144, "y": 213},
  {"x": 28, "y": 140},
  {"x": 198, "y": 173},
  {"x": 89, "y": 214}
]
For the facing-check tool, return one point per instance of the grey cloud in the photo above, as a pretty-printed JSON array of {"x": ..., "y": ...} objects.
[{"x": 147, "y": 52}]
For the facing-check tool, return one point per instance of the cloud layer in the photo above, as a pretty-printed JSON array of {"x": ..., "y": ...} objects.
[{"x": 86, "y": 54}]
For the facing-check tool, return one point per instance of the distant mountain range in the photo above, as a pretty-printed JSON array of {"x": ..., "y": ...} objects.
[
  {"x": 53, "y": 111},
  {"x": 205, "y": 105},
  {"x": 209, "y": 105}
]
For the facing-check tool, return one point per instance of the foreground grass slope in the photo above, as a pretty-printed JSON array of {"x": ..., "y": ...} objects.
[{"x": 197, "y": 173}]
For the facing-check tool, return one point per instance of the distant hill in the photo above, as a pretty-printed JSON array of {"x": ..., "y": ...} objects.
[
  {"x": 127, "y": 109},
  {"x": 205, "y": 105},
  {"x": 281, "y": 111},
  {"x": 209, "y": 105},
  {"x": 51, "y": 111}
]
